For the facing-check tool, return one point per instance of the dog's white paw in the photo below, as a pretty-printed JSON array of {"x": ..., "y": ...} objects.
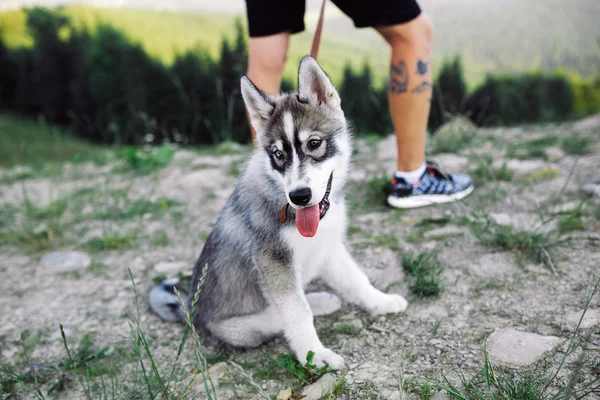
[
  {"x": 325, "y": 356},
  {"x": 387, "y": 304}
]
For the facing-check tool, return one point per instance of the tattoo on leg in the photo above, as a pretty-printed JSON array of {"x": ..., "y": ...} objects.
[
  {"x": 422, "y": 67},
  {"x": 422, "y": 87},
  {"x": 398, "y": 78}
]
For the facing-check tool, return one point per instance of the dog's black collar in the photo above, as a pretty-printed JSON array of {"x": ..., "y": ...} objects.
[{"x": 323, "y": 204}]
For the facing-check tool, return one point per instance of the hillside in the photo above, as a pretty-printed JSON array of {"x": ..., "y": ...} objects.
[{"x": 492, "y": 36}]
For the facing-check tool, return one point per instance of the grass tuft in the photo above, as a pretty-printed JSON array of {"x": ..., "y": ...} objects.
[
  {"x": 148, "y": 158},
  {"x": 110, "y": 242},
  {"x": 389, "y": 240},
  {"x": 535, "y": 148},
  {"x": 136, "y": 208},
  {"x": 349, "y": 329},
  {"x": 484, "y": 172},
  {"x": 307, "y": 372},
  {"x": 424, "y": 269},
  {"x": 576, "y": 145},
  {"x": 573, "y": 220},
  {"x": 542, "y": 175},
  {"x": 535, "y": 245},
  {"x": 369, "y": 195}
]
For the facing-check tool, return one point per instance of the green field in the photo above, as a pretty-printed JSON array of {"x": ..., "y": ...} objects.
[
  {"x": 165, "y": 34},
  {"x": 27, "y": 141},
  {"x": 491, "y": 36}
]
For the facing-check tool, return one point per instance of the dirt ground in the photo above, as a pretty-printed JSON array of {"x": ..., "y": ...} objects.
[{"x": 155, "y": 224}]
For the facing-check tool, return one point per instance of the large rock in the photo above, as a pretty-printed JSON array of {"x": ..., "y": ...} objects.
[
  {"x": 315, "y": 391},
  {"x": 62, "y": 261},
  {"x": 518, "y": 349}
]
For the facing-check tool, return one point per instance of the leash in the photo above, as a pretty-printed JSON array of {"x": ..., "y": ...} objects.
[
  {"x": 283, "y": 214},
  {"x": 317, "y": 39}
]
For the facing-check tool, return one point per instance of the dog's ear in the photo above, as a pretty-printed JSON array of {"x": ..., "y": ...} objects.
[
  {"x": 258, "y": 103},
  {"x": 314, "y": 84}
]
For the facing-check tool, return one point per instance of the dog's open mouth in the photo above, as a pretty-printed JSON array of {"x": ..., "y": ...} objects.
[{"x": 307, "y": 218}]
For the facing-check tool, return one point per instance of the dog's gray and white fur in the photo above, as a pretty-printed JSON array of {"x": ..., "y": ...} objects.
[{"x": 258, "y": 266}]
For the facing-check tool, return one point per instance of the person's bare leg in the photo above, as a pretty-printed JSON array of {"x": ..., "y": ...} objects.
[
  {"x": 266, "y": 60},
  {"x": 410, "y": 88}
]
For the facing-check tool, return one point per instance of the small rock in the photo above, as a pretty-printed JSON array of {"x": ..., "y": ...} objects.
[
  {"x": 565, "y": 207},
  {"x": 554, "y": 153},
  {"x": 519, "y": 221},
  {"x": 355, "y": 322},
  {"x": 522, "y": 168},
  {"x": 284, "y": 394},
  {"x": 592, "y": 318},
  {"x": 494, "y": 265},
  {"x": 451, "y": 162},
  {"x": 518, "y": 349},
  {"x": 61, "y": 261},
  {"x": 217, "y": 372},
  {"x": 382, "y": 278},
  {"x": 501, "y": 218},
  {"x": 323, "y": 303},
  {"x": 171, "y": 267},
  {"x": 315, "y": 391},
  {"x": 444, "y": 232},
  {"x": 441, "y": 395},
  {"x": 367, "y": 371},
  {"x": 394, "y": 394},
  {"x": 592, "y": 188}
]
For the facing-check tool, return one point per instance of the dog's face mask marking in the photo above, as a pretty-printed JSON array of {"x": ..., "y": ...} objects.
[{"x": 300, "y": 136}]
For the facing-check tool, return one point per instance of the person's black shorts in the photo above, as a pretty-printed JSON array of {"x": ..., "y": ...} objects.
[{"x": 269, "y": 17}]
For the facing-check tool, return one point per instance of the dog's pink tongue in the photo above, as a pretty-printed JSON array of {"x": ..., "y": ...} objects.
[{"x": 307, "y": 220}]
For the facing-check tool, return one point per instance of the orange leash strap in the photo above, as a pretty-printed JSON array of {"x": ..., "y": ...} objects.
[{"x": 317, "y": 39}]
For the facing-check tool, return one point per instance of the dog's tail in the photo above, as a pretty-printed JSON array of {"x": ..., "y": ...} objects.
[{"x": 163, "y": 301}]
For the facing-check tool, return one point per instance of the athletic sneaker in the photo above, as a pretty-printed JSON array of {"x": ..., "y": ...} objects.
[{"x": 434, "y": 187}]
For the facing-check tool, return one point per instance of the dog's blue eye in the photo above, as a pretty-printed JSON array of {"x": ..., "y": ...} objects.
[
  {"x": 314, "y": 144},
  {"x": 278, "y": 154}
]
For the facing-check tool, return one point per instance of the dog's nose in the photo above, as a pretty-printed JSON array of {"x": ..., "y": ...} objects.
[{"x": 301, "y": 197}]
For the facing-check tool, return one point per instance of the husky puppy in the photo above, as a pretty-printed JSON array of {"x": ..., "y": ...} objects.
[{"x": 283, "y": 226}]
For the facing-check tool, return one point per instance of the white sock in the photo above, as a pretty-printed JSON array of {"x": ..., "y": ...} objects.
[{"x": 412, "y": 176}]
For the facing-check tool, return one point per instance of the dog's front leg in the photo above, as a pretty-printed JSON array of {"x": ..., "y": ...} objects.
[
  {"x": 344, "y": 275},
  {"x": 283, "y": 289}
]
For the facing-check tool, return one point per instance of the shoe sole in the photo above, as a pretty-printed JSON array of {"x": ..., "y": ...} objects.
[{"x": 428, "y": 199}]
